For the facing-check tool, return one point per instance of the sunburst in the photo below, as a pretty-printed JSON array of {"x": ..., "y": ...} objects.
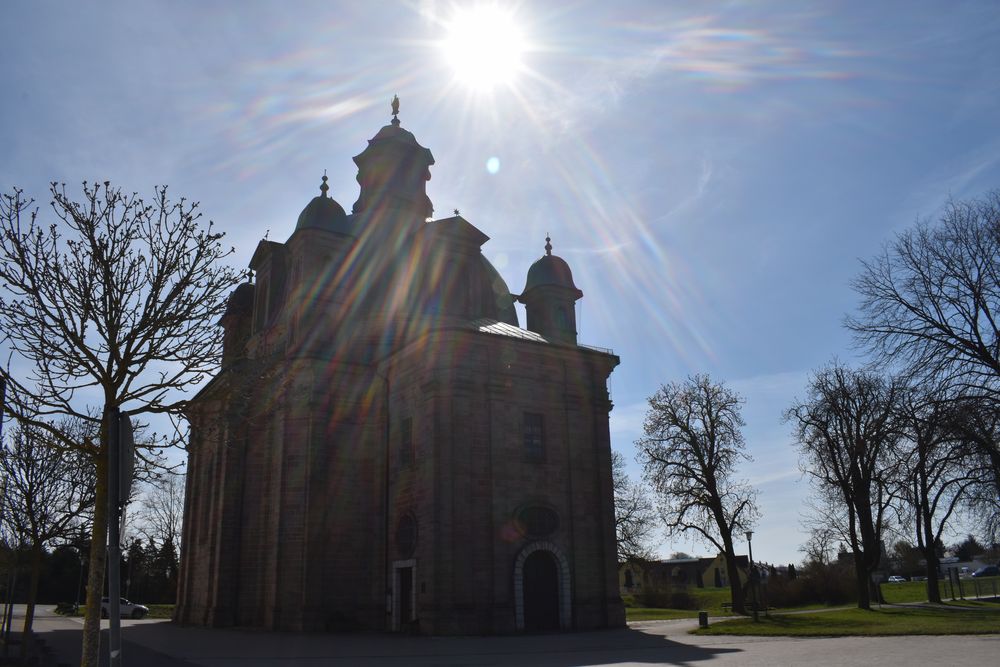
[{"x": 484, "y": 46}]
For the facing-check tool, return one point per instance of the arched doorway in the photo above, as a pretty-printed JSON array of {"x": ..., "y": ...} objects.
[
  {"x": 542, "y": 599},
  {"x": 541, "y": 592}
]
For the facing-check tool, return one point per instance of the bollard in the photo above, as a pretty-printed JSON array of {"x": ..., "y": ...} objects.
[{"x": 702, "y": 619}]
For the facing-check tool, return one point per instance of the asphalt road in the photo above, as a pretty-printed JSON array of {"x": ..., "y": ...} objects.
[{"x": 155, "y": 643}]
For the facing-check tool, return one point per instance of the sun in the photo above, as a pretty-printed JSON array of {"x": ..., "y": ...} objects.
[{"x": 484, "y": 47}]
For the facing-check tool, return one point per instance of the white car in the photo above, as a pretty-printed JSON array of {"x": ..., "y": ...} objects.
[
  {"x": 896, "y": 579},
  {"x": 126, "y": 609}
]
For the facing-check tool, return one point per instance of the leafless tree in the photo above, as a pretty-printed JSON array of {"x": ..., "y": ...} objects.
[
  {"x": 930, "y": 304},
  {"x": 939, "y": 471},
  {"x": 976, "y": 423},
  {"x": 46, "y": 495},
  {"x": 820, "y": 546},
  {"x": 691, "y": 446},
  {"x": 635, "y": 513},
  {"x": 160, "y": 510},
  {"x": 110, "y": 306},
  {"x": 848, "y": 439}
]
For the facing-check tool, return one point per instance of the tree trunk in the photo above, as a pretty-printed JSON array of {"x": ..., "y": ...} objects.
[
  {"x": 862, "y": 581},
  {"x": 876, "y": 590},
  {"x": 95, "y": 574},
  {"x": 930, "y": 555},
  {"x": 29, "y": 614},
  {"x": 933, "y": 589},
  {"x": 735, "y": 586}
]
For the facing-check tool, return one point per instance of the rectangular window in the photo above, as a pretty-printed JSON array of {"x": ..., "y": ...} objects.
[
  {"x": 534, "y": 436},
  {"x": 406, "y": 443}
]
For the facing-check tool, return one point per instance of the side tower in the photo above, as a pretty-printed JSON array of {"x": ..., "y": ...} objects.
[{"x": 549, "y": 296}]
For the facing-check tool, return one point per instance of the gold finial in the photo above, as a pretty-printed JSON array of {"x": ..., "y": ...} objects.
[
  {"x": 324, "y": 188},
  {"x": 548, "y": 244},
  {"x": 395, "y": 109}
]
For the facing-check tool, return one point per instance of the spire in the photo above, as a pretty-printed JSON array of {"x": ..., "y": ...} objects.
[
  {"x": 395, "y": 110},
  {"x": 324, "y": 188},
  {"x": 548, "y": 244}
]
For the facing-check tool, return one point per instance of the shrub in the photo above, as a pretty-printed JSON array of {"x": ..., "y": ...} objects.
[
  {"x": 681, "y": 599},
  {"x": 820, "y": 584},
  {"x": 671, "y": 598},
  {"x": 66, "y": 608},
  {"x": 657, "y": 599}
]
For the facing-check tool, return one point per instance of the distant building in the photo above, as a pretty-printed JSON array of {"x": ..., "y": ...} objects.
[
  {"x": 716, "y": 572},
  {"x": 385, "y": 447},
  {"x": 637, "y": 576}
]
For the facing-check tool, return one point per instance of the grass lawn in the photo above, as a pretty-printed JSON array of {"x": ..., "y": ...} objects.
[
  {"x": 908, "y": 591},
  {"x": 655, "y": 614},
  {"x": 704, "y": 599},
  {"x": 856, "y": 622},
  {"x": 160, "y": 610},
  {"x": 916, "y": 591},
  {"x": 712, "y": 603}
]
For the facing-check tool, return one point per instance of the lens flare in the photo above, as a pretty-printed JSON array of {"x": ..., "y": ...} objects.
[{"x": 484, "y": 47}]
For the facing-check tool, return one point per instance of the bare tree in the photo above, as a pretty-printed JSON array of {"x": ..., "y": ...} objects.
[
  {"x": 819, "y": 548},
  {"x": 111, "y": 306},
  {"x": 939, "y": 473},
  {"x": 161, "y": 510},
  {"x": 848, "y": 440},
  {"x": 691, "y": 446},
  {"x": 975, "y": 421},
  {"x": 46, "y": 494},
  {"x": 635, "y": 513},
  {"x": 930, "y": 303}
]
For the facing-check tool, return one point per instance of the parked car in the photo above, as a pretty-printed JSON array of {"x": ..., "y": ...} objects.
[
  {"x": 126, "y": 609},
  {"x": 896, "y": 579},
  {"x": 987, "y": 571}
]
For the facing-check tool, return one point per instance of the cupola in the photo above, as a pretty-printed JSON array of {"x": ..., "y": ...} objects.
[
  {"x": 549, "y": 297},
  {"x": 324, "y": 213},
  {"x": 393, "y": 172}
]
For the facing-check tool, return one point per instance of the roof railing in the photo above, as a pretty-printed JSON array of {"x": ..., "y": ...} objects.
[{"x": 605, "y": 350}]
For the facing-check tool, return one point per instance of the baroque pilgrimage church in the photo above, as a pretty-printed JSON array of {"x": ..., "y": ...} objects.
[{"x": 385, "y": 447}]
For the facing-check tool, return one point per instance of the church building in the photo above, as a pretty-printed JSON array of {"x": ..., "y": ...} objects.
[{"x": 385, "y": 446}]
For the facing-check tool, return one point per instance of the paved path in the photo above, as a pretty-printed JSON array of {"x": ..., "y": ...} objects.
[{"x": 152, "y": 643}]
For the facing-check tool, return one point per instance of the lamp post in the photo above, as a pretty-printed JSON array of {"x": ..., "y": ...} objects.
[
  {"x": 753, "y": 576},
  {"x": 79, "y": 554}
]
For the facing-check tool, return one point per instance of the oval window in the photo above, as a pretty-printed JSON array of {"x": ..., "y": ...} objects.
[{"x": 538, "y": 521}]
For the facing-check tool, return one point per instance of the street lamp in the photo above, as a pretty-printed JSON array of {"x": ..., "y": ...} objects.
[
  {"x": 753, "y": 576},
  {"x": 79, "y": 583}
]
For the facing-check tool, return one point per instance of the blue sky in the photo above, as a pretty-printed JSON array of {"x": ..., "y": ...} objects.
[{"x": 712, "y": 172}]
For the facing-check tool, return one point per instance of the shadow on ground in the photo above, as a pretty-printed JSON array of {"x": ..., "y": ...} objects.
[{"x": 165, "y": 644}]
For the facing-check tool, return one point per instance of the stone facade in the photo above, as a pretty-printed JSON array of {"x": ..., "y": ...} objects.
[{"x": 384, "y": 447}]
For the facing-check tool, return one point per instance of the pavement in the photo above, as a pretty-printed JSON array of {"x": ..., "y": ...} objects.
[{"x": 159, "y": 643}]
